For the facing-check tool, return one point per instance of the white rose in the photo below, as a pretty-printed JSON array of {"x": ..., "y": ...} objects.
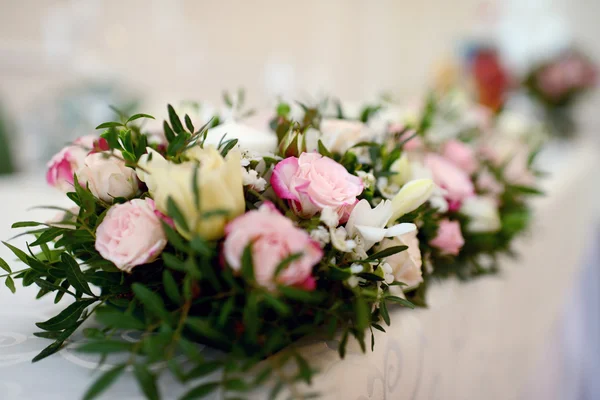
[
  {"x": 108, "y": 177},
  {"x": 483, "y": 214},
  {"x": 339, "y": 135},
  {"x": 406, "y": 265},
  {"x": 248, "y": 138}
]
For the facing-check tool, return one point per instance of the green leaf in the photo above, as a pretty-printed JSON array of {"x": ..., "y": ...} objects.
[
  {"x": 250, "y": 317},
  {"x": 67, "y": 317},
  {"x": 227, "y": 146},
  {"x": 384, "y": 313},
  {"x": 4, "y": 265},
  {"x": 117, "y": 319},
  {"x": 276, "y": 304},
  {"x": 74, "y": 274},
  {"x": 17, "y": 252},
  {"x": 10, "y": 284},
  {"x": 54, "y": 347},
  {"x": 152, "y": 302},
  {"x": 147, "y": 381},
  {"x": 527, "y": 190},
  {"x": 175, "y": 121},
  {"x": 363, "y": 315},
  {"x": 25, "y": 224},
  {"x": 171, "y": 288},
  {"x": 52, "y": 287},
  {"x": 138, "y": 116},
  {"x": 47, "y": 236},
  {"x": 103, "y": 382},
  {"x": 105, "y": 347},
  {"x": 371, "y": 277},
  {"x": 236, "y": 385},
  {"x": 401, "y": 301},
  {"x": 169, "y": 134},
  {"x": 188, "y": 123},
  {"x": 304, "y": 370},
  {"x": 201, "y": 391},
  {"x": 109, "y": 125},
  {"x": 226, "y": 311},
  {"x": 204, "y": 327},
  {"x": 177, "y": 215},
  {"x": 204, "y": 369},
  {"x": 247, "y": 264},
  {"x": 386, "y": 253},
  {"x": 286, "y": 262},
  {"x": 378, "y": 327},
  {"x": 301, "y": 295},
  {"x": 342, "y": 345},
  {"x": 323, "y": 150}
]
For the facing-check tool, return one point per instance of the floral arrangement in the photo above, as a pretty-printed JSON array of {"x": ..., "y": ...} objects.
[
  {"x": 189, "y": 239},
  {"x": 558, "y": 83}
]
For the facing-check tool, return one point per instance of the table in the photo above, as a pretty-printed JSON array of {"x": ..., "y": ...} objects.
[{"x": 494, "y": 338}]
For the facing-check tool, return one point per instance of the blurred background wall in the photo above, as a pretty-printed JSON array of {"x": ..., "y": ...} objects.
[{"x": 64, "y": 60}]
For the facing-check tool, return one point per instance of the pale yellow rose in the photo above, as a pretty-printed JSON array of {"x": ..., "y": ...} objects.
[
  {"x": 410, "y": 197},
  {"x": 219, "y": 183}
]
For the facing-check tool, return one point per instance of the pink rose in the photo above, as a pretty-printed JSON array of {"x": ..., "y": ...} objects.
[
  {"x": 517, "y": 170},
  {"x": 449, "y": 238},
  {"x": 448, "y": 176},
  {"x": 62, "y": 167},
  {"x": 131, "y": 234},
  {"x": 488, "y": 183},
  {"x": 414, "y": 144},
  {"x": 273, "y": 237},
  {"x": 312, "y": 182},
  {"x": 461, "y": 155}
]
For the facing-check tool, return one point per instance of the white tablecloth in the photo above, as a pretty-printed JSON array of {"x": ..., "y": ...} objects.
[{"x": 493, "y": 338}]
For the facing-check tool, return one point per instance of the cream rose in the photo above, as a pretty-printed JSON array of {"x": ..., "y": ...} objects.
[
  {"x": 406, "y": 265},
  {"x": 108, "y": 177},
  {"x": 219, "y": 183},
  {"x": 339, "y": 135}
]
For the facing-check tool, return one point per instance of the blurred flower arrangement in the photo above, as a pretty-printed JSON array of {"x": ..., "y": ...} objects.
[
  {"x": 558, "y": 83},
  {"x": 190, "y": 238}
]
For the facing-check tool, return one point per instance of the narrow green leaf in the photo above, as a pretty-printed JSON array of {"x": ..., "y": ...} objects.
[
  {"x": 201, "y": 391},
  {"x": 17, "y": 252},
  {"x": 301, "y": 295},
  {"x": 10, "y": 284},
  {"x": 105, "y": 125},
  {"x": 342, "y": 345},
  {"x": 4, "y": 265},
  {"x": 175, "y": 121},
  {"x": 276, "y": 304},
  {"x": 74, "y": 274},
  {"x": 323, "y": 150},
  {"x": 227, "y": 146},
  {"x": 105, "y": 347},
  {"x": 204, "y": 327},
  {"x": 363, "y": 315},
  {"x": 286, "y": 262},
  {"x": 44, "y": 284},
  {"x": 54, "y": 347},
  {"x": 204, "y": 369},
  {"x": 138, "y": 116},
  {"x": 225, "y": 312},
  {"x": 103, "y": 382},
  {"x": 117, "y": 319},
  {"x": 25, "y": 224},
  {"x": 169, "y": 134},
  {"x": 147, "y": 381},
  {"x": 386, "y": 252},
  {"x": 66, "y": 317},
  {"x": 401, "y": 301},
  {"x": 176, "y": 214},
  {"x": 236, "y": 385},
  {"x": 152, "y": 302},
  {"x": 250, "y": 317},
  {"x": 378, "y": 327},
  {"x": 188, "y": 123},
  {"x": 171, "y": 288},
  {"x": 247, "y": 264},
  {"x": 384, "y": 313}
]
